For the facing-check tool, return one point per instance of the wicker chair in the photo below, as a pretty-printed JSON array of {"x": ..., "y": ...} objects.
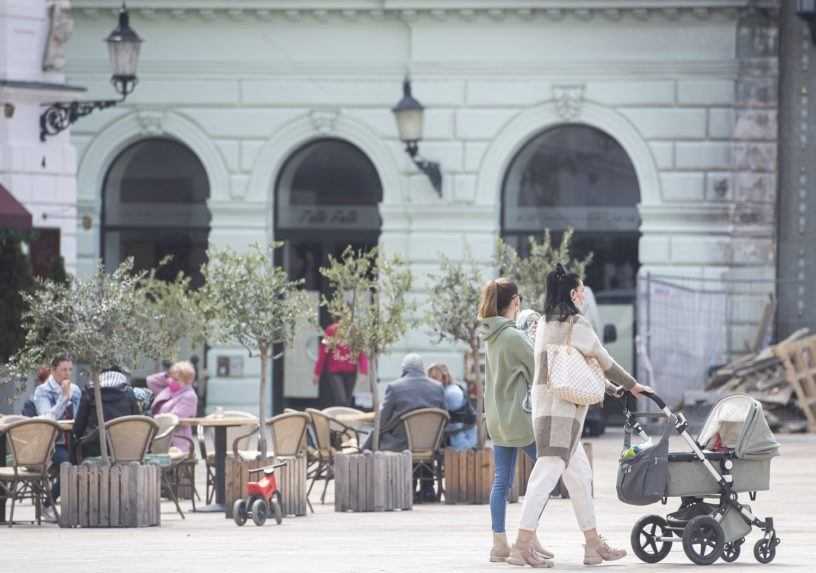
[
  {"x": 130, "y": 438},
  {"x": 176, "y": 466},
  {"x": 206, "y": 446},
  {"x": 425, "y": 429},
  {"x": 323, "y": 467},
  {"x": 31, "y": 442}
]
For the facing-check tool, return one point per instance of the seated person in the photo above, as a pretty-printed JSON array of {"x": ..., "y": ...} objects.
[
  {"x": 118, "y": 400},
  {"x": 57, "y": 399},
  {"x": 174, "y": 394},
  {"x": 411, "y": 392},
  {"x": 461, "y": 430}
]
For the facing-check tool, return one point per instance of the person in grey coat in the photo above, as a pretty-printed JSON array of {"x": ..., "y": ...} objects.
[{"x": 412, "y": 391}]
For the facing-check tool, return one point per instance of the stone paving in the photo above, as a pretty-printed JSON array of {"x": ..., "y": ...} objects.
[{"x": 431, "y": 538}]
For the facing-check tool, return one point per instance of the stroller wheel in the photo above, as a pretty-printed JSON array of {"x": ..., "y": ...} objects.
[
  {"x": 703, "y": 540},
  {"x": 646, "y": 539},
  {"x": 731, "y": 551},
  {"x": 765, "y": 550}
]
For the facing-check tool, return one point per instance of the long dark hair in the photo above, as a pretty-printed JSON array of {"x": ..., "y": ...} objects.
[
  {"x": 496, "y": 297},
  {"x": 558, "y": 303}
]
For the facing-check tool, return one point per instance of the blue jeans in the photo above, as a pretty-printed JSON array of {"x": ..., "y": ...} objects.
[
  {"x": 504, "y": 459},
  {"x": 60, "y": 455}
]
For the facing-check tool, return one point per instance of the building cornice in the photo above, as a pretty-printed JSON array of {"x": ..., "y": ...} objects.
[{"x": 414, "y": 9}]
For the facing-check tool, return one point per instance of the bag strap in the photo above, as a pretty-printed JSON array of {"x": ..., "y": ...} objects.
[{"x": 569, "y": 332}]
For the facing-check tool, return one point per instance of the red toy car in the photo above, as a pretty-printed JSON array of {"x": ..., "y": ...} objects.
[{"x": 263, "y": 498}]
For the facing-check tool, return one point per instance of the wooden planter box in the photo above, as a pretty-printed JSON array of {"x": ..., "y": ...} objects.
[
  {"x": 291, "y": 481},
  {"x": 469, "y": 477},
  {"x": 122, "y": 495},
  {"x": 373, "y": 481}
]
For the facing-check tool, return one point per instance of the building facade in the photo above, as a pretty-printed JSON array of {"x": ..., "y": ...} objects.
[{"x": 647, "y": 126}]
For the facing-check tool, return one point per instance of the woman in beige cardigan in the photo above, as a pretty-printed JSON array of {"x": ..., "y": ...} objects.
[{"x": 558, "y": 424}]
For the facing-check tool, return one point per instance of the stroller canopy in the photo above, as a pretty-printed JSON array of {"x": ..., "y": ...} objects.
[{"x": 740, "y": 423}]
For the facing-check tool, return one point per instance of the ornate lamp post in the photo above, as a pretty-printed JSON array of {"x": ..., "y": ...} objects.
[
  {"x": 409, "y": 114},
  {"x": 123, "y": 50}
]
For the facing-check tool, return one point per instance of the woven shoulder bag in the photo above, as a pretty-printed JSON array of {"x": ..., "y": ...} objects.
[{"x": 573, "y": 377}]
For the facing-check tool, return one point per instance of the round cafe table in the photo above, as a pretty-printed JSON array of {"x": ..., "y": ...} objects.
[{"x": 220, "y": 426}]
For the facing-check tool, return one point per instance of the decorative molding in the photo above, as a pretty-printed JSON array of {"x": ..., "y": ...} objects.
[
  {"x": 411, "y": 10},
  {"x": 151, "y": 122},
  {"x": 568, "y": 100},
  {"x": 323, "y": 121}
]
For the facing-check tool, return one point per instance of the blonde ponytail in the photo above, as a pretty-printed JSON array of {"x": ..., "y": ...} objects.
[{"x": 488, "y": 305}]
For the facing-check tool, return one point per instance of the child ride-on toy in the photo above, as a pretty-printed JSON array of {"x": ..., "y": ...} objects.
[{"x": 263, "y": 498}]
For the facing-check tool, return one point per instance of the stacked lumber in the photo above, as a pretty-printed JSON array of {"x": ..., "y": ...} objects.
[{"x": 777, "y": 377}]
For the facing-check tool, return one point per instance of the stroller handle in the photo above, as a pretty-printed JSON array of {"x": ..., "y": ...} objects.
[{"x": 656, "y": 399}]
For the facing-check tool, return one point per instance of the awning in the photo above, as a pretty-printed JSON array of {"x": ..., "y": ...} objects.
[{"x": 12, "y": 213}]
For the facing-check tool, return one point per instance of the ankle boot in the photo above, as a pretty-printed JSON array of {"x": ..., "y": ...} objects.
[
  {"x": 523, "y": 552},
  {"x": 599, "y": 551},
  {"x": 501, "y": 549},
  {"x": 541, "y": 551}
]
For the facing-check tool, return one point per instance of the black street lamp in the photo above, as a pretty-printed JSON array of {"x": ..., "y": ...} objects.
[
  {"x": 409, "y": 115},
  {"x": 123, "y": 50},
  {"x": 806, "y": 10}
]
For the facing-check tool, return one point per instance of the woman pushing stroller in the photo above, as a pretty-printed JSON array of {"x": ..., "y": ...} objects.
[{"x": 558, "y": 424}]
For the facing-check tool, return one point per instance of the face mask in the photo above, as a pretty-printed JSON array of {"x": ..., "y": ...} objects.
[{"x": 174, "y": 386}]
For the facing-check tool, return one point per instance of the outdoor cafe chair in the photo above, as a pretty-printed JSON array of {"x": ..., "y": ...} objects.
[
  {"x": 285, "y": 435},
  {"x": 323, "y": 468},
  {"x": 425, "y": 429},
  {"x": 130, "y": 437},
  {"x": 31, "y": 442},
  {"x": 206, "y": 447},
  {"x": 176, "y": 466}
]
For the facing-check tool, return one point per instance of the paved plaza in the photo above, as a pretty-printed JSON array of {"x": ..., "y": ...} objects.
[{"x": 431, "y": 538}]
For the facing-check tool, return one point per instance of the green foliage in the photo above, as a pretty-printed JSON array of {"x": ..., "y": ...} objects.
[
  {"x": 184, "y": 312},
  {"x": 15, "y": 279},
  {"x": 455, "y": 302},
  {"x": 530, "y": 273},
  {"x": 369, "y": 300},
  {"x": 252, "y": 301},
  {"x": 102, "y": 320}
]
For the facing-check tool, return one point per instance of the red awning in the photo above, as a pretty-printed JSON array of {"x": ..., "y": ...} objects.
[{"x": 12, "y": 213}]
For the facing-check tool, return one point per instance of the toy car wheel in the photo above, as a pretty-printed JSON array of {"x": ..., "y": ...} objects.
[
  {"x": 259, "y": 512},
  {"x": 731, "y": 551},
  {"x": 703, "y": 540},
  {"x": 276, "y": 511},
  {"x": 765, "y": 550},
  {"x": 646, "y": 539},
  {"x": 239, "y": 512}
]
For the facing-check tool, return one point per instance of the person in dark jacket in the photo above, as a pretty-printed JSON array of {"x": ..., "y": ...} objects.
[
  {"x": 414, "y": 390},
  {"x": 118, "y": 400}
]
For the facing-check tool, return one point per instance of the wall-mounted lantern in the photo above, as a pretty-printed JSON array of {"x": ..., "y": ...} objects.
[{"x": 409, "y": 114}]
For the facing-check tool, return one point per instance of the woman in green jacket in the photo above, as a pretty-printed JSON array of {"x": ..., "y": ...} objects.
[{"x": 509, "y": 374}]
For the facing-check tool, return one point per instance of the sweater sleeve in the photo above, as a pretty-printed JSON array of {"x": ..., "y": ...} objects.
[
  {"x": 585, "y": 340},
  {"x": 157, "y": 382},
  {"x": 521, "y": 349}
]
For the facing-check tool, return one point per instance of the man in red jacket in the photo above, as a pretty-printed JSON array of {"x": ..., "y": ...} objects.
[{"x": 340, "y": 369}]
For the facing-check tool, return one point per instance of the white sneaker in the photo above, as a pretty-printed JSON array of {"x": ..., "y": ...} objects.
[{"x": 49, "y": 515}]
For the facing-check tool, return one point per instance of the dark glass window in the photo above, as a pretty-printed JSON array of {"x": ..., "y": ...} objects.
[
  {"x": 328, "y": 184},
  {"x": 155, "y": 205},
  {"x": 576, "y": 176}
]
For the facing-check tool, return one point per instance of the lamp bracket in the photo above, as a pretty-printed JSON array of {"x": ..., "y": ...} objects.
[
  {"x": 430, "y": 168},
  {"x": 60, "y": 115}
]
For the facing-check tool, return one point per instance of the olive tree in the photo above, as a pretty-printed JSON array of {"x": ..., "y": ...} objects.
[
  {"x": 102, "y": 320},
  {"x": 453, "y": 317},
  {"x": 255, "y": 304},
  {"x": 370, "y": 301},
  {"x": 530, "y": 272}
]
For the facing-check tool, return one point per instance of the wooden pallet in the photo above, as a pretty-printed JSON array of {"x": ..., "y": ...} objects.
[
  {"x": 373, "y": 481},
  {"x": 122, "y": 495},
  {"x": 291, "y": 481},
  {"x": 799, "y": 359}
]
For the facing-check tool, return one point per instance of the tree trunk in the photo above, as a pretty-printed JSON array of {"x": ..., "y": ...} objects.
[
  {"x": 476, "y": 378},
  {"x": 100, "y": 417},
  {"x": 375, "y": 401},
  {"x": 264, "y": 348}
]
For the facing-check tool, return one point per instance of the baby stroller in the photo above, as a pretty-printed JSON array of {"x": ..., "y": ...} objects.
[{"x": 732, "y": 455}]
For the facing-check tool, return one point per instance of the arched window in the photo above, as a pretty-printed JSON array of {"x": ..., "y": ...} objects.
[
  {"x": 576, "y": 176},
  {"x": 154, "y": 205}
]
